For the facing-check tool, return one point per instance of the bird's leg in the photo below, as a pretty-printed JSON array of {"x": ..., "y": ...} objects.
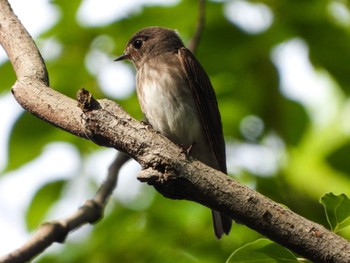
[
  {"x": 188, "y": 150},
  {"x": 148, "y": 126},
  {"x": 144, "y": 121}
]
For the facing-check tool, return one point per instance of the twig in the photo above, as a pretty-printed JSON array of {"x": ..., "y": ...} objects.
[
  {"x": 58, "y": 230},
  {"x": 200, "y": 26},
  {"x": 106, "y": 189}
]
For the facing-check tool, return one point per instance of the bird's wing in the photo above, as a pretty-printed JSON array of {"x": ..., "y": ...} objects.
[{"x": 206, "y": 103}]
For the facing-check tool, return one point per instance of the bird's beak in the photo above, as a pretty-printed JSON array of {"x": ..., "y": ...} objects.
[{"x": 123, "y": 57}]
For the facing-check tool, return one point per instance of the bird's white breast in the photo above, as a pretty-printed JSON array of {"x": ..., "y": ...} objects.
[{"x": 168, "y": 104}]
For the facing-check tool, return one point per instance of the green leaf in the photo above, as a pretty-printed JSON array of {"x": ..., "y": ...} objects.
[
  {"x": 263, "y": 251},
  {"x": 44, "y": 198},
  {"x": 337, "y": 209}
]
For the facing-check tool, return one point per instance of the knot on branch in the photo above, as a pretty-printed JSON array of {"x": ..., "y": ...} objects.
[
  {"x": 54, "y": 231},
  {"x": 92, "y": 210},
  {"x": 101, "y": 119},
  {"x": 86, "y": 101},
  {"x": 92, "y": 117}
]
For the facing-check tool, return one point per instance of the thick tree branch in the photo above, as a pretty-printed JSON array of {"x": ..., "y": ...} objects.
[
  {"x": 178, "y": 176},
  {"x": 31, "y": 88},
  {"x": 164, "y": 164}
]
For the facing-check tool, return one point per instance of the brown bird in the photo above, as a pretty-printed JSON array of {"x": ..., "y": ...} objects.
[{"x": 178, "y": 100}]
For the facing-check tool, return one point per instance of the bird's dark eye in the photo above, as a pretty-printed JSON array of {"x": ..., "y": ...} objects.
[{"x": 137, "y": 44}]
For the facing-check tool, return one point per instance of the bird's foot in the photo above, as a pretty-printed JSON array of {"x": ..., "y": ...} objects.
[{"x": 188, "y": 150}]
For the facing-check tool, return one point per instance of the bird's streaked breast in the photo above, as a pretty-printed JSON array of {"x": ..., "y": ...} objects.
[{"x": 167, "y": 103}]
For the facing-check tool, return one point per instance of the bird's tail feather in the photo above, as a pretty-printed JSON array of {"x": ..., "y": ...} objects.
[{"x": 222, "y": 224}]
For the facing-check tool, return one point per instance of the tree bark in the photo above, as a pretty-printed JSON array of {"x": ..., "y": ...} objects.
[{"x": 165, "y": 166}]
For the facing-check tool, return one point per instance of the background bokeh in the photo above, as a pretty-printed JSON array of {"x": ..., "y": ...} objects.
[{"x": 279, "y": 69}]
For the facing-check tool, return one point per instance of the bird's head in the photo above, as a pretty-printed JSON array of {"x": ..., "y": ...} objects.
[{"x": 149, "y": 43}]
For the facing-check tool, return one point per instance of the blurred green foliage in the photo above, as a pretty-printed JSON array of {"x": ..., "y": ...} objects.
[{"x": 315, "y": 158}]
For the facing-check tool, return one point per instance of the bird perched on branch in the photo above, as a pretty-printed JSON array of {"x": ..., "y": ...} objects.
[{"x": 178, "y": 100}]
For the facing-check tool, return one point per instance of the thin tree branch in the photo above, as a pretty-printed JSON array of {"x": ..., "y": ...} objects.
[
  {"x": 164, "y": 164},
  {"x": 58, "y": 230},
  {"x": 200, "y": 26},
  {"x": 108, "y": 186}
]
